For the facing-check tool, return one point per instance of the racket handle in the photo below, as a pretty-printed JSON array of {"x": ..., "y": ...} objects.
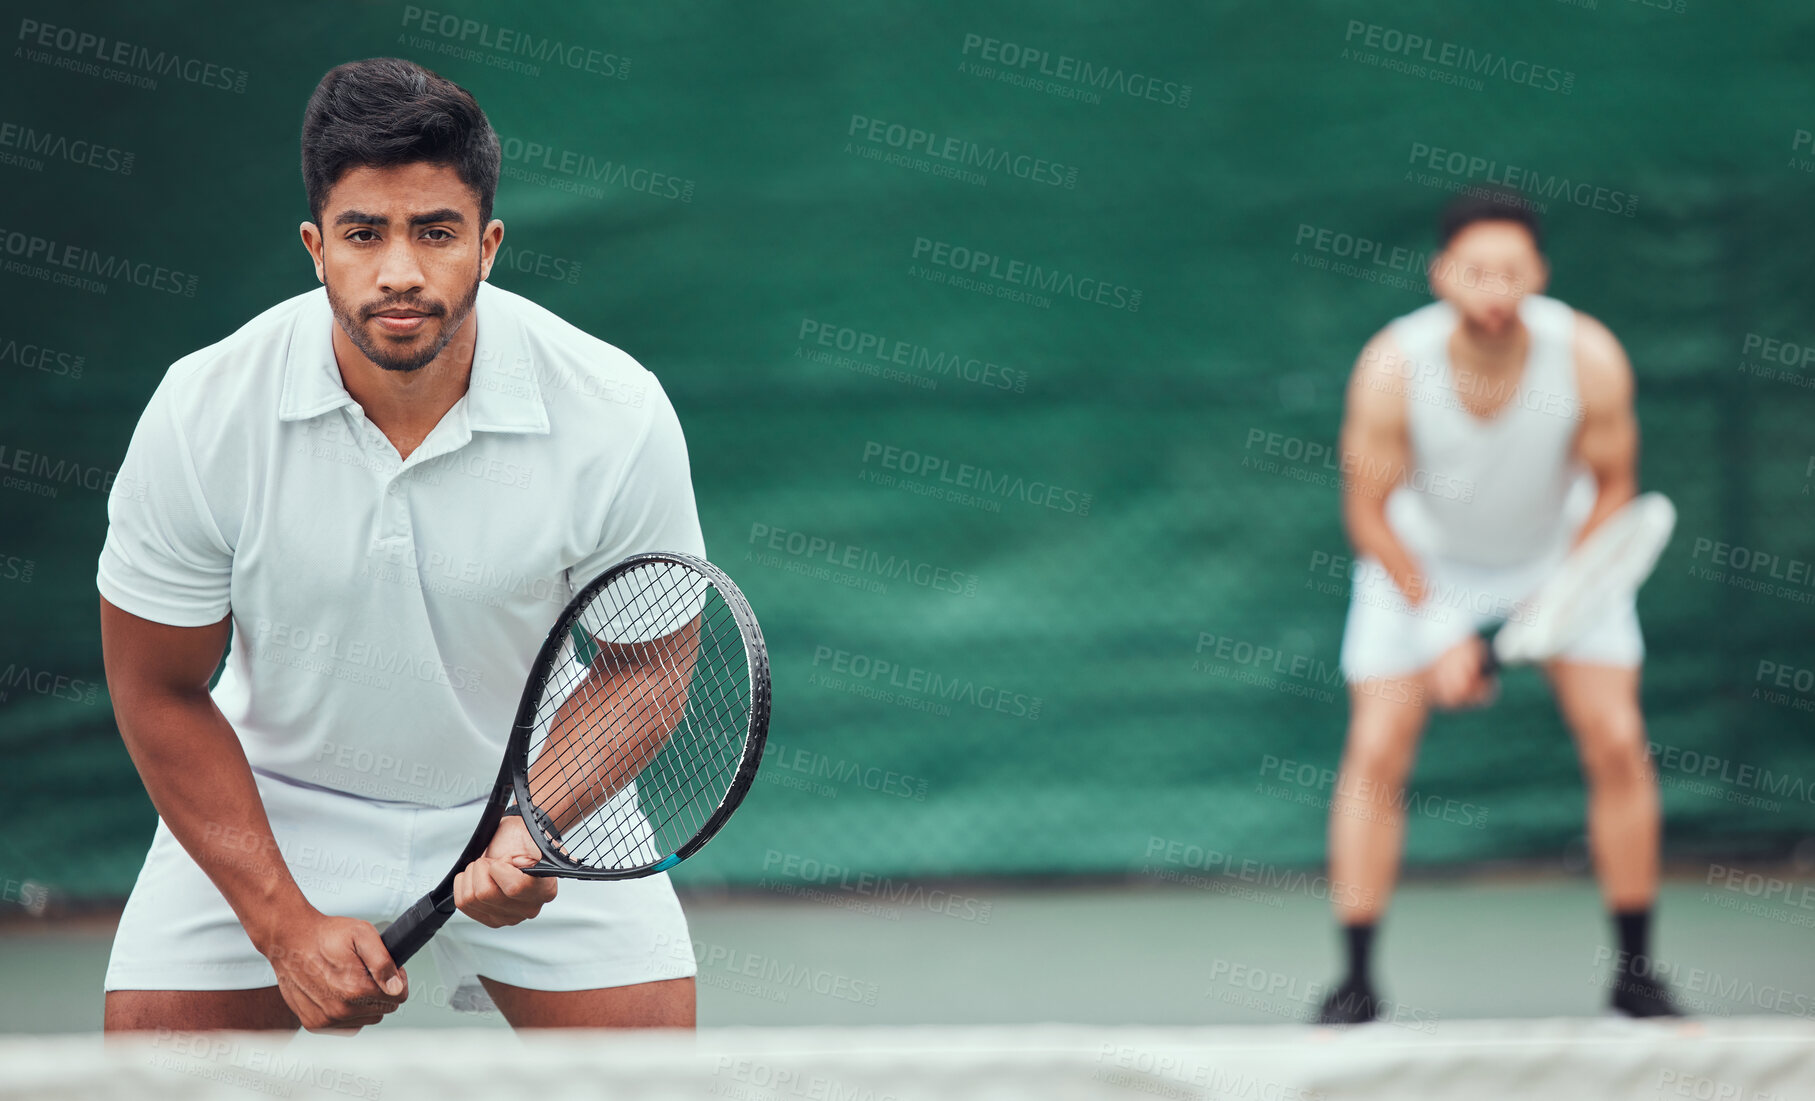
[
  {"x": 1490, "y": 657},
  {"x": 419, "y": 923}
]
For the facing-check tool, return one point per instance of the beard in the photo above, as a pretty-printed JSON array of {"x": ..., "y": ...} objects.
[{"x": 382, "y": 350}]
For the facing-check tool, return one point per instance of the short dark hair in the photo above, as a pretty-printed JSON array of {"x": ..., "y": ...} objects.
[
  {"x": 1489, "y": 204},
  {"x": 385, "y": 111}
]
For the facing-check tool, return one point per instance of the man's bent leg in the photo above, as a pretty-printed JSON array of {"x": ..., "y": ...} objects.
[
  {"x": 1367, "y": 829},
  {"x": 668, "y": 1003},
  {"x": 1367, "y": 809},
  {"x": 1601, "y": 705},
  {"x": 198, "y": 1010}
]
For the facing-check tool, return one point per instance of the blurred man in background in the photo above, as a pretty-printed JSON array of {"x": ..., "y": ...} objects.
[{"x": 1484, "y": 435}]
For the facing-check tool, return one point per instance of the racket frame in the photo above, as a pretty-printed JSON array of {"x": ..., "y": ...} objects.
[
  {"x": 756, "y": 655},
  {"x": 417, "y": 925}
]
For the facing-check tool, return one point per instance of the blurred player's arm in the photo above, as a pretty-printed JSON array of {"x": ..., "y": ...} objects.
[
  {"x": 1608, "y": 440},
  {"x": 1375, "y": 447}
]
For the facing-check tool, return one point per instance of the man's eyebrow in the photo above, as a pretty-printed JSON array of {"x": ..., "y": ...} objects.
[{"x": 361, "y": 218}]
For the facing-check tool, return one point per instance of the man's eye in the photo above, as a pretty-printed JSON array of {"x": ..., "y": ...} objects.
[
  {"x": 444, "y": 234},
  {"x": 362, "y": 236}
]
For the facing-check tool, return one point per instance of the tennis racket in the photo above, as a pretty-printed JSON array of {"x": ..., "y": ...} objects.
[
  {"x": 1606, "y": 569},
  {"x": 639, "y": 732}
]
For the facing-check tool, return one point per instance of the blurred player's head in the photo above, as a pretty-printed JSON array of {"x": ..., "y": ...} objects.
[
  {"x": 1492, "y": 257},
  {"x": 400, "y": 166}
]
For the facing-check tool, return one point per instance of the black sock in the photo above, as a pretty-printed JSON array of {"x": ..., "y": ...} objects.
[
  {"x": 1634, "y": 930},
  {"x": 1360, "y": 939}
]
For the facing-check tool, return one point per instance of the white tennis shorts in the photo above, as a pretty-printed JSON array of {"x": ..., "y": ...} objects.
[
  {"x": 1387, "y": 637},
  {"x": 357, "y": 857}
]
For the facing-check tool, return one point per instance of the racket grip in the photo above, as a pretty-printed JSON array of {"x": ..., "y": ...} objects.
[
  {"x": 1490, "y": 658},
  {"x": 419, "y": 923}
]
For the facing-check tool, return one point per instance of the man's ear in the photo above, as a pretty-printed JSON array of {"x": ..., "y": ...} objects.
[
  {"x": 311, "y": 239},
  {"x": 1439, "y": 274},
  {"x": 488, "y": 247}
]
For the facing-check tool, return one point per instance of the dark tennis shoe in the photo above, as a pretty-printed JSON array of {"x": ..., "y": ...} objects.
[
  {"x": 1643, "y": 996},
  {"x": 1349, "y": 1004}
]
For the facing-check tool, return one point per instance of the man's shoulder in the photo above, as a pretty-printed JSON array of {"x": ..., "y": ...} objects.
[
  {"x": 580, "y": 374},
  {"x": 244, "y": 365}
]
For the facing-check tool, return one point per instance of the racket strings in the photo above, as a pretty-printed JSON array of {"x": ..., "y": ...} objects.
[
  {"x": 658, "y": 645},
  {"x": 716, "y": 757}
]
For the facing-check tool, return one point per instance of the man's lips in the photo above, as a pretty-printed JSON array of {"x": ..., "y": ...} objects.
[{"x": 400, "y": 321}]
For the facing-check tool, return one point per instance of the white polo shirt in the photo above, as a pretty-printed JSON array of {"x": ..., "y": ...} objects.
[{"x": 386, "y": 611}]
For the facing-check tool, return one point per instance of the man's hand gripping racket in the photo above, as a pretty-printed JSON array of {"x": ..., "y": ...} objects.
[
  {"x": 1604, "y": 571},
  {"x": 639, "y": 732}
]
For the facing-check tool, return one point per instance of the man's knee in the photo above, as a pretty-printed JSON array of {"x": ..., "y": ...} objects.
[{"x": 1613, "y": 745}]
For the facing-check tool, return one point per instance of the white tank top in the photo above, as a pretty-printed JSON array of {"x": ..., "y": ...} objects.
[{"x": 1494, "y": 491}]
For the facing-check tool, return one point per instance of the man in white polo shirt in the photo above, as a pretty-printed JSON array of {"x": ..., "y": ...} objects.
[{"x": 381, "y": 493}]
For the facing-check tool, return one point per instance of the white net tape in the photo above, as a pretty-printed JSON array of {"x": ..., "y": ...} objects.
[{"x": 1756, "y": 1059}]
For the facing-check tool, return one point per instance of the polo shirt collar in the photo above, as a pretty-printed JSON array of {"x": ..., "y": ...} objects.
[{"x": 503, "y": 394}]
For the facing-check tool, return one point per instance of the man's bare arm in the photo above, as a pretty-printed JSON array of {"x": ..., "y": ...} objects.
[
  {"x": 627, "y": 705},
  {"x": 632, "y": 698},
  {"x": 1375, "y": 452},
  {"x": 1608, "y": 441},
  {"x": 199, "y": 780}
]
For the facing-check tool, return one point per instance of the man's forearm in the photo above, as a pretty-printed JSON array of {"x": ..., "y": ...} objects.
[
  {"x": 199, "y": 779},
  {"x": 1611, "y": 495},
  {"x": 1364, "y": 518}
]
